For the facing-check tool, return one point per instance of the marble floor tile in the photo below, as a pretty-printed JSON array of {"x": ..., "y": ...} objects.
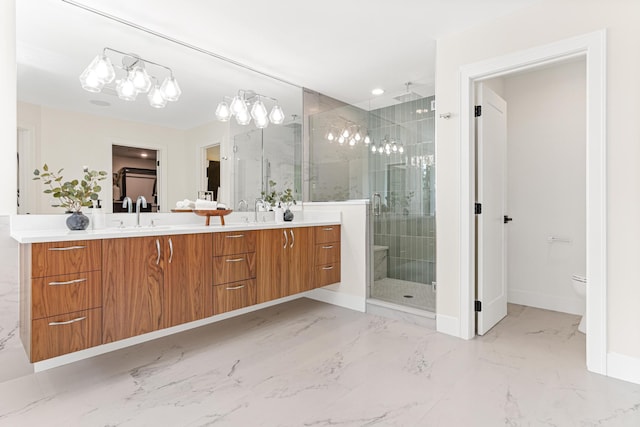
[{"x": 306, "y": 363}]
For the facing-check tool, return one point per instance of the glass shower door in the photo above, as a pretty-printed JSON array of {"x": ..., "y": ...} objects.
[{"x": 402, "y": 203}]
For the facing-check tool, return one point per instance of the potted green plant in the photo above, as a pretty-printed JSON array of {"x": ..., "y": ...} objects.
[
  {"x": 286, "y": 199},
  {"x": 72, "y": 195},
  {"x": 270, "y": 197}
]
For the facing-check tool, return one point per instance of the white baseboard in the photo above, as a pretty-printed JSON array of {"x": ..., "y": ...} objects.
[
  {"x": 623, "y": 367},
  {"x": 547, "y": 302},
  {"x": 340, "y": 299},
  {"x": 448, "y": 325}
]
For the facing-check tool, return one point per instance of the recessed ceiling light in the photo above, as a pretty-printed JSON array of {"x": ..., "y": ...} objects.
[
  {"x": 143, "y": 154},
  {"x": 377, "y": 91},
  {"x": 99, "y": 103}
]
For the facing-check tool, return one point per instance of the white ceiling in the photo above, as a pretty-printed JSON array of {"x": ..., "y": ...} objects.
[{"x": 337, "y": 47}]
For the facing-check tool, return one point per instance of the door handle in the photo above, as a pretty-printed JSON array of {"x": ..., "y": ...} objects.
[
  {"x": 293, "y": 239},
  {"x": 170, "y": 250},
  {"x": 158, "y": 249},
  {"x": 286, "y": 239},
  {"x": 507, "y": 219}
]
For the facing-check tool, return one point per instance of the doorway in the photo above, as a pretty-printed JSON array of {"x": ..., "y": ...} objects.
[
  {"x": 135, "y": 174},
  {"x": 212, "y": 169},
  {"x": 592, "y": 47}
]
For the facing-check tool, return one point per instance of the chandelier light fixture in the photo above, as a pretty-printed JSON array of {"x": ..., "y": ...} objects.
[
  {"x": 348, "y": 133},
  {"x": 388, "y": 146},
  {"x": 134, "y": 79},
  {"x": 248, "y": 104}
]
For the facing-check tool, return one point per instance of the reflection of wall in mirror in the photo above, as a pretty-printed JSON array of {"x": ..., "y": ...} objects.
[{"x": 69, "y": 140}]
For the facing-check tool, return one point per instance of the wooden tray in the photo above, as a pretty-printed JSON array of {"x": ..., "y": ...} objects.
[
  {"x": 213, "y": 212},
  {"x": 182, "y": 210}
]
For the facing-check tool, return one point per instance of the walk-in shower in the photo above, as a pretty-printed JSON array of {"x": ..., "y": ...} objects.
[{"x": 386, "y": 155}]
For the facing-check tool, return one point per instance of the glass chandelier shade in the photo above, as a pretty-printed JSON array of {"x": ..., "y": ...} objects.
[
  {"x": 223, "y": 112},
  {"x": 126, "y": 90},
  {"x": 90, "y": 81},
  {"x": 262, "y": 122},
  {"x": 277, "y": 115},
  {"x": 140, "y": 78},
  {"x": 156, "y": 100},
  {"x": 243, "y": 117},
  {"x": 170, "y": 89},
  {"x": 259, "y": 111}
]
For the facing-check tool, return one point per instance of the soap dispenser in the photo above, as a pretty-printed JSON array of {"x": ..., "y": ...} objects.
[{"x": 98, "y": 218}]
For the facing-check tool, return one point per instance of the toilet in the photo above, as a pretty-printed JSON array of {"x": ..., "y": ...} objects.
[{"x": 580, "y": 285}]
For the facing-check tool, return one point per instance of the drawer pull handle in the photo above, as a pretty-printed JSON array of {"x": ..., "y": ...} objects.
[
  {"x": 327, "y": 247},
  {"x": 235, "y": 260},
  {"x": 328, "y": 268},
  {"x": 235, "y": 287},
  {"x": 328, "y": 229},
  {"x": 68, "y": 248},
  {"x": 68, "y": 322},
  {"x": 235, "y": 236},
  {"x": 68, "y": 282}
]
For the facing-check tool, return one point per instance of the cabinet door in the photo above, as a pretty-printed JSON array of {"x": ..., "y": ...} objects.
[
  {"x": 270, "y": 251},
  {"x": 299, "y": 256},
  {"x": 132, "y": 280},
  {"x": 187, "y": 276}
]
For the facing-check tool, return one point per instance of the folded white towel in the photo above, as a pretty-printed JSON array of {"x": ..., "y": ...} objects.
[
  {"x": 180, "y": 204},
  {"x": 205, "y": 204}
]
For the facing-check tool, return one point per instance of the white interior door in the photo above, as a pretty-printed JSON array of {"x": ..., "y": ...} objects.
[{"x": 491, "y": 131}]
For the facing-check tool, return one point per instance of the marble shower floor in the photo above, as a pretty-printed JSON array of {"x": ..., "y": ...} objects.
[
  {"x": 402, "y": 292},
  {"x": 306, "y": 363}
]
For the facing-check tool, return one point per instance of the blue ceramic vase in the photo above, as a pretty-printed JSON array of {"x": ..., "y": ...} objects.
[{"x": 77, "y": 221}]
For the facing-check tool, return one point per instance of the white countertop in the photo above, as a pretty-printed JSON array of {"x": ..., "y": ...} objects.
[{"x": 52, "y": 228}]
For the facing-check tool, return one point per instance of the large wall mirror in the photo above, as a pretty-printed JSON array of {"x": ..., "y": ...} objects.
[{"x": 65, "y": 126}]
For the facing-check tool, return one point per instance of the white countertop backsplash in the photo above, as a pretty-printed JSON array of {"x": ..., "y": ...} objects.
[{"x": 52, "y": 228}]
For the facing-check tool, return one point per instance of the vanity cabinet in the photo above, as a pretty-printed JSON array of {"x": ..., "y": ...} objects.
[
  {"x": 284, "y": 262},
  {"x": 154, "y": 282},
  {"x": 61, "y": 308},
  {"x": 187, "y": 277},
  {"x": 326, "y": 256},
  {"x": 234, "y": 271},
  {"x": 133, "y": 286}
]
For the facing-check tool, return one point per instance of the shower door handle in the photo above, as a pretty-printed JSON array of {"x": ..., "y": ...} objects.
[{"x": 377, "y": 211}]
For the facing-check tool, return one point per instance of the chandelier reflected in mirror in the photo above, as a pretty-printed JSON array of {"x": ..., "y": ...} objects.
[
  {"x": 135, "y": 78},
  {"x": 347, "y": 132},
  {"x": 248, "y": 104}
]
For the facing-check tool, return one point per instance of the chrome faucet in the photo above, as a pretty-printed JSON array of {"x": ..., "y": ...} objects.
[
  {"x": 143, "y": 201},
  {"x": 127, "y": 203},
  {"x": 243, "y": 206},
  {"x": 258, "y": 201}
]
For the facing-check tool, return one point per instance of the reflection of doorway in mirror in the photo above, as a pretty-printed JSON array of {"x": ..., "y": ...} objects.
[
  {"x": 25, "y": 197},
  {"x": 135, "y": 173},
  {"x": 212, "y": 170}
]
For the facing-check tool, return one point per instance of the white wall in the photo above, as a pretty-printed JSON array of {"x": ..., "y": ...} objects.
[
  {"x": 69, "y": 140},
  {"x": 546, "y": 185},
  {"x": 543, "y": 23},
  {"x": 8, "y": 107}
]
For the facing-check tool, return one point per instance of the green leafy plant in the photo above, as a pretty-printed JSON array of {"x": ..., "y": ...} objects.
[
  {"x": 286, "y": 198},
  {"x": 270, "y": 196},
  {"x": 73, "y": 195}
]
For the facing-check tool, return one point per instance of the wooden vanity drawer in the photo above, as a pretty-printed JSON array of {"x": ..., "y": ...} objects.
[
  {"x": 234, "y": 242},
  {"x": 57, "y": 335},
  {"x": 326, "y": 274},
  {"x": 327, "y": 234},
  {"x": 55, "y": 258},
  {"x": 67, "y": 293},
  {"x": 232, "y": 268},
  {"x": 232, "y": 296},
  {"x": 327, "y": 253}
]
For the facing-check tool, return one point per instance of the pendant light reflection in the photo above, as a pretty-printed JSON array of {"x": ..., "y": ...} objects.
[
  {"x": 136, "y": 79},
  {"x": 247, "y": 105}
]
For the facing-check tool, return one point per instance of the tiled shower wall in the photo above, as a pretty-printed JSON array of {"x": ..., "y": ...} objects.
[{"x": 406, "y": 184}]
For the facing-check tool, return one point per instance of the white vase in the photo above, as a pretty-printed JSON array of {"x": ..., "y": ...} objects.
[{"x": 279, "y": 213}]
